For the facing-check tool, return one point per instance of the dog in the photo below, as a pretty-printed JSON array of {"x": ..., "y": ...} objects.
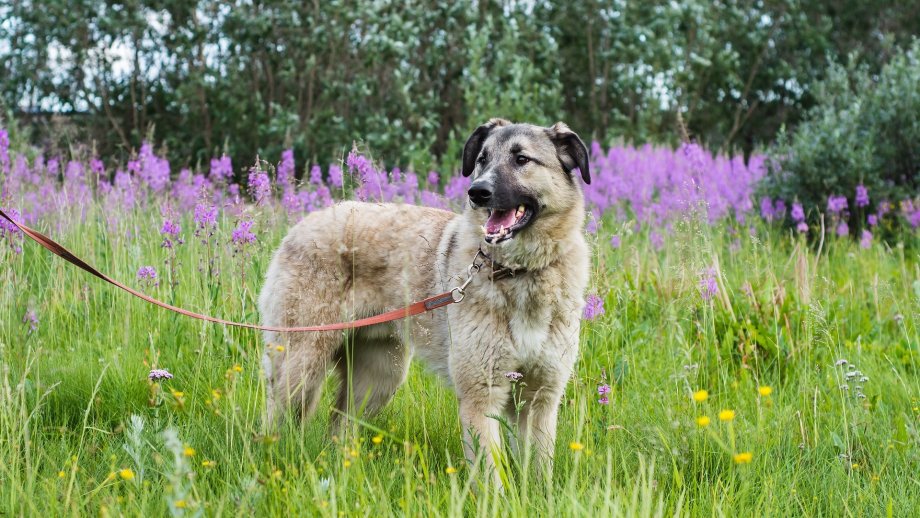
[{"x": 521, "y": 313}]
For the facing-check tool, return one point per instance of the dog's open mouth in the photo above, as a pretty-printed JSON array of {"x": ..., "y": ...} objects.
[{"x": 503, "y": 224}]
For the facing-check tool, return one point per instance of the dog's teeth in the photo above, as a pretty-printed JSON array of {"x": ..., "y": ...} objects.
[{"x": 520, "y": 210}]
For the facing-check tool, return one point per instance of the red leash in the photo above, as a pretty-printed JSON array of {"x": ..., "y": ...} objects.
[{"x": 438, "y": 301}]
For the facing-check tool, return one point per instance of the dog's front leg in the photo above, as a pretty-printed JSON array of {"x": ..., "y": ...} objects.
[
  {"x": 481, "y": 429},
  {"x": 537, "y": 425}
]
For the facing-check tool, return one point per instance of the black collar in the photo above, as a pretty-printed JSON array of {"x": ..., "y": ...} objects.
[{"x": 500, "y": 271}]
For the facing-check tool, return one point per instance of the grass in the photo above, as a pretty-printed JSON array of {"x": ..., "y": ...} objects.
[{"x": 82, "y": 431}]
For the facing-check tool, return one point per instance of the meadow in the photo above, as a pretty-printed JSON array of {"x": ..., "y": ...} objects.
[{"x": 737, "y": 358}]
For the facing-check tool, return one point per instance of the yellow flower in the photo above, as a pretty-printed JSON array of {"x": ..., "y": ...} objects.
[
  {"x": 764, "y": 390},
  {"x": 189, "y": 451},
  {"x": 450, "y": 470},
  {"x": 743, "y": 457},
  {"x": 377, "y": 439},
  {"x": 576, "y": 446},
  {"x": 279, "y": 348},
  {"x": 208, "y": 463},
  {"x": 126, "y": 474},
  {"x": 347, "y": 463},
  {"x": 180, "y": 504},
  {"x": 238, "y": 368},
  {"x": 726, "y": 415},
  {"x": 61, "y": 474},
  {"x": 855, "y": 466},
  {"x": 700, "y": 395},
  {"x": 703, "y": 420},
  {"x": 176, "y": 394},
  {"x": 277, "y": 473}
]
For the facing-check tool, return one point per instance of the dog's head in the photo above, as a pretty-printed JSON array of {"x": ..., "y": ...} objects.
[{"x": 523, "y": 180}]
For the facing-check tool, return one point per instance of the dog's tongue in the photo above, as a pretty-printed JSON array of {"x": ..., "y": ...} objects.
[{"x": 499, "y": 219}]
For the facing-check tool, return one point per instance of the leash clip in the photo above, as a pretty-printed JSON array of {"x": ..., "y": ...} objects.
[{"x": 458, "y": 292}]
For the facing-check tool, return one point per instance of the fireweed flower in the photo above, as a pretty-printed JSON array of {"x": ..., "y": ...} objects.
[
  {"x": 159, "y": 375},
  {"x": 865, "y": 241},
  {"x": 615, "y": 242},
  {"x": 4, "y": 150},
  {"x": 170, "y": 231},
  {"x": 221, "y": 169},
  {"x": 242, "y": 234},
  {"x": 594, "y": 307},
  {"x": 148, "y": 274},
  {"x": 285, "y": 169},
  {"x": 316, "y": 175},
  {"x": 260, "y": 186},
  {"x": 862, "y": 196},
  {"x": 836, "y": 204},
  {"x": 31, "y": 318},
  {"x": 708, "y": 285},
  {"x": 514, "y": 376},
  {"x": 872, "y": 219},
  {"x": 802, "y": 227},
  {"x": 205, "y": 218},
  {"x": 798, "y": 213},
  {"x": 602, "y": 391},
  {"x": 433, "y": 178},
  {"x": 843, "y": 229}
]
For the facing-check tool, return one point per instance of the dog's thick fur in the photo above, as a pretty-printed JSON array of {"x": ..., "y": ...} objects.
[{"x": 359, "y": 259}]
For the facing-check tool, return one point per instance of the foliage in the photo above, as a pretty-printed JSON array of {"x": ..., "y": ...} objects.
[
  {"x": 715, "y": 355},
  {"x": 863, "y": 132},
  {"x": 412, "y": 78}
]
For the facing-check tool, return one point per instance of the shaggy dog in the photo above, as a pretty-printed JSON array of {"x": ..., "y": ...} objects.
[{"x": 521, "y": 313}]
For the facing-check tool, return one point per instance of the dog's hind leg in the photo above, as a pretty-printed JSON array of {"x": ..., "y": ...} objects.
[
  {"x": 296, "y": 369},
  {"x": 370, "y": 369}
]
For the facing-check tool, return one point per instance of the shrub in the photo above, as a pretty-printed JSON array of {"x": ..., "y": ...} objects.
[{"x": 863, "y": 134}]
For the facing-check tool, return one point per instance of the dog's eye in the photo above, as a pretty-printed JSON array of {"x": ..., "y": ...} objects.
[
  {"x": 521, "y": 160},
  {"x": 481, "y": 160}
]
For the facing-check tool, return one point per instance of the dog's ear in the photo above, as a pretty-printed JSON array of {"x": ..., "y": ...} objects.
[
  {"x": 570, "y": 149},
  {"x": 474, "y": 144}
]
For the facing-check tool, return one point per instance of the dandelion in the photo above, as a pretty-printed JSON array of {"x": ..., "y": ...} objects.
[
  {"x": 279, "y": 348},
  {"x": 159, "y": 375},
  {"x": 743, "y": 457},
  {"x": 208, "y": 464},
  {"x": 126, "y": 474},
  {"x": 727, "y": 415},
  {"x": 237, "y": 368},
  {"x": 594, "y": 307},
  {"x": 188, "y": 451},
  {"x": 377, "y": 439},
  {"x": 180, "y": 504},
  {"x": 450, "y": 470},
  {"x": 514, "y": 376},
  {"x": 576, "y": 446},
  {"x": 764, "y": 390},
  {"x": 703, "y": 421},
  {"x": 61, "y": 474},
  {"x": 700, "y": 395}
]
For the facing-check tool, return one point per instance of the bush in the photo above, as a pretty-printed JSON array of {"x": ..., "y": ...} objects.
[{"x": 863, "y": 133}]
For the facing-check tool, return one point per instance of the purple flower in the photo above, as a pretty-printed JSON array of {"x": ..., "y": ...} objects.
[
  {"x": 843, "y": 229},
  {"x": 657, "y": 240},
  {"x": 285, "y": 168},
  {"x": 335, "y": 176},
  {"x": 4, "y": 150},
  {"x": 615, "y": 241},
  {"x": 766, "y": 208},
  {"x": 708, "y": 285},
  {"x": 604, "y": 400},
  {"x": 802, "y": 227},
  {"x": 159, "y": 375},
  {"x": 242, "y": 234},
  {"x": 603, "y": 390},
  {"x": 433, "y": 178},
  {"x": 170, "y": 231},
  {"x": 32, "y": 319},
  {"x": 221, "y": 169},
  {"x": 146, "y": 273},
  {"x": 594, "y": 307},
  {"x": 514, "y": 376},
  {"x": 865, "y": 241},
  {"x": 205, "y": 217},
  {"x": 798, "y": 213},
  {"x": 836, "y": 204},
  {"x": 260, "y": 186},
  {"x": 316, "y": 175},
  {"x": 872, "y": 219},
  {"x": 862, "y": 196}
]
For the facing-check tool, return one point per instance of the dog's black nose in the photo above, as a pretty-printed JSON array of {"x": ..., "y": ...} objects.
[{"x": 480, "y": 192}]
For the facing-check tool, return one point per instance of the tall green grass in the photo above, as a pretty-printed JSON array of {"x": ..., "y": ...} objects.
[{"x": 82, "y": 430}]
